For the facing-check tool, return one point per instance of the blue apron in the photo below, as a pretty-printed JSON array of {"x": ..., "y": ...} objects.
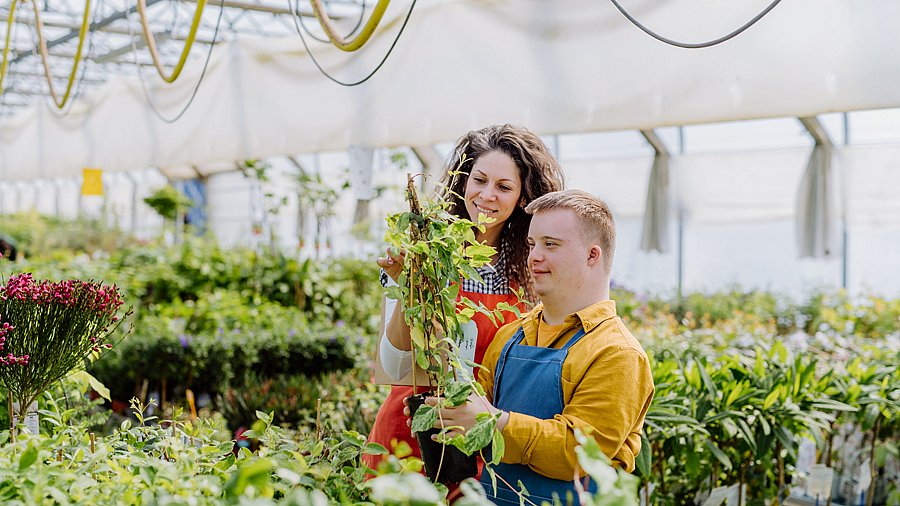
[{"x": 528, "y": 379}]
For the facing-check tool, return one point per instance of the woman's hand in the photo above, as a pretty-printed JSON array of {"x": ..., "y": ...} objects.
[{"x": 392, "y": 263}]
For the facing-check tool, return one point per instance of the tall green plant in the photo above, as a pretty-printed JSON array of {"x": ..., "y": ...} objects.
[
  {"x": 49, "y": 329},
  {"x": 441, "y": 250}
]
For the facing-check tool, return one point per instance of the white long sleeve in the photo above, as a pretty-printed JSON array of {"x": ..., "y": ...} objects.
[{"x": 396, "y": 363}]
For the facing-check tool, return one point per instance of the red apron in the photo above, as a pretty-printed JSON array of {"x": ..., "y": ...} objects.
[{"x": 390, "y": 423}]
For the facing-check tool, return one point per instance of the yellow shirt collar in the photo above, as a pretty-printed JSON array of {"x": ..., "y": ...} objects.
[{"x": 588, "y": 317}]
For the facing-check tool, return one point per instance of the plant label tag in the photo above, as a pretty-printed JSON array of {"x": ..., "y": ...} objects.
[
  {"x": 819, "y": 482},
  {"x": 865, "y": 477},
  {"x": 806, "y": 455},
  {"x": 725, "y": 495},
  {"x": 32, "y": 422},
  {"x": 645, "y": 493},
  {"x": 465, "y": 346},
  {"x": 716, "y": 496},
  {"x": 731, "y": 498}
]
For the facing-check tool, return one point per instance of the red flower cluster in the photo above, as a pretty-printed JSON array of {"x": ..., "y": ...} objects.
[
  {"x": 9, "y": 359},
  {"x": 13, "y": 360},
  {"x": 52, "y": 327},
  {"x": 94, "y": 296}
]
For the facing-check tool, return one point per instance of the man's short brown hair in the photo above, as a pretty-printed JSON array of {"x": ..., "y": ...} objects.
[{"x": 597, "y": 224}]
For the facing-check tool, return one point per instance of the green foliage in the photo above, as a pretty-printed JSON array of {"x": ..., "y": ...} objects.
[
  {"x": 869, "y": 316},
  {"x": 212, "y": 319},
  {"x": 614, "y": 487},
  {"x": 440, "y": 251},
  {"x": 176, "y": 463},
  {"x": 181, "y": 462},
  {"x": 168, "y": 202},
  {"x": 333, "y": 290},
  {"x": 332, "y": 402},
  {"x": 48, "y": 329},
  {"x": 162, "y": 352},
  {"x": 740, "y": 378},
  {"x": 726, "y": 412},
  {"x": 46, "y": 237}
]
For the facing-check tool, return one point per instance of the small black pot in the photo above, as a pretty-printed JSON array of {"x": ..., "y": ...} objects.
[{"x": 457, "y": 465}]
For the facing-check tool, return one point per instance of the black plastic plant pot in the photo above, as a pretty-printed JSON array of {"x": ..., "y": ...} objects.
[{"x": 456, "y": 465}]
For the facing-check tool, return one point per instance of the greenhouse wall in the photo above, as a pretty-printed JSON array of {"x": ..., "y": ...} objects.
[{"x": 732, "y": 220}]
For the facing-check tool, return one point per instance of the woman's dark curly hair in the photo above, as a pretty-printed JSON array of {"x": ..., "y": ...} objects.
[{"x": 539, "y": 173}]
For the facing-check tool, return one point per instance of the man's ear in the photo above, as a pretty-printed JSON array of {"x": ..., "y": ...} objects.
[{"x": 595, "y": 254}]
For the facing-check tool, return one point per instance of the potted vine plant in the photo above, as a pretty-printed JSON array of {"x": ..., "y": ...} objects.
[
  {"x": 47, "y": 329},
  {"x": 441, "y": 250}
]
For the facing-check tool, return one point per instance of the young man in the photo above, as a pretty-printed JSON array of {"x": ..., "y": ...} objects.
[{"x": 568, "y": 364}]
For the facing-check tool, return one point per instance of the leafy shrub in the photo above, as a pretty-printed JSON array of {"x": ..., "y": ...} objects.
[
  {"x": 349, "y": 401},
  {"x": 332, "y": 290},
  {"x": 868, "y": 316},
  {"x": 41, "y": 236},
  {"x": 162, "y": 353},
  {"x": 179, "y": 462}
]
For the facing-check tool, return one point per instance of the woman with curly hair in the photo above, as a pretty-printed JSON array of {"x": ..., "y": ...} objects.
[{"x": 505, "y": 167}]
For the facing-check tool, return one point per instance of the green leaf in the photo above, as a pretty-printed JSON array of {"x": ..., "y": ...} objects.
[
  {"x": 374, "y": 449},
  {"x": 480, "y": 252},
  {"x": 265, "y": 417},
  {"x": 403, "y": 222},
  {"x": 354, "y": 438},
  {"x": 85, "y": 377},
  {"x": 29, "y": 456},
  {"x": 417, "y": 335},
  {"x": 457, "y": 393},
  {"x": 832, "y": 405},
  {"x": 643, "y": 460},
  {"x": 254, "y": 473},
  {"x": 770, "y": 399},
  {"x": 226, "y": 463},
  {"x": 498, "y": 447},
  {"x": 470, "y": 273},
  {"x": 60, "y": 497},
  {"x": 718, "y": 454},
  {"x": 734, "y": 394},
  {"x": 493, "y": 475},
  {"x": 707, "y": 381},
  {"x": 880, "y": 456},
  {"x": 424, "y": 418},
  {"x": 748, "y": 434},
  {"x": 505, "y": 306},
  {"x": 670, "y": 419},
  {"x": 481, "y": 434},
  {"x": 317, "y": 449},
  {"x": 422, "y": 359},
  {"x": 522, "y": 488}
]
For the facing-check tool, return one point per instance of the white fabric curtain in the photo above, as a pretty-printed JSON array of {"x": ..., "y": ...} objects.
[
  {"x": 555, "y": 67},
  {"x": 815, "y": 206},
  {"x": 655, "y": 233},
  {"x": 361, "y": 158}
]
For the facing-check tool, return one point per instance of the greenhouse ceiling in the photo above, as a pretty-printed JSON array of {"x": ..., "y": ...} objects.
[
  {"x": 562, "y": 67},
  {"x": 113, "y": 24}
]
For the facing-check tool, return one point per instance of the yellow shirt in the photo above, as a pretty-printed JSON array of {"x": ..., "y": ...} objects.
[{"x": 607, "y": 387}]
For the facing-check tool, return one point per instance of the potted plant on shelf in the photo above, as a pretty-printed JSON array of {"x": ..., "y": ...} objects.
[
  {"x": 441, "y": 250},
  {"x": 47, "y": 329}
]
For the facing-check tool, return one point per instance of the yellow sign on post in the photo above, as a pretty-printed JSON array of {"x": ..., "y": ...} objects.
[{"x": 92, "y": 182}]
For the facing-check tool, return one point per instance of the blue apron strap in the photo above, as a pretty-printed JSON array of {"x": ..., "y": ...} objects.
[
  {"x": 574, "y": 339},
  {"x": 501, "y": 362}
]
